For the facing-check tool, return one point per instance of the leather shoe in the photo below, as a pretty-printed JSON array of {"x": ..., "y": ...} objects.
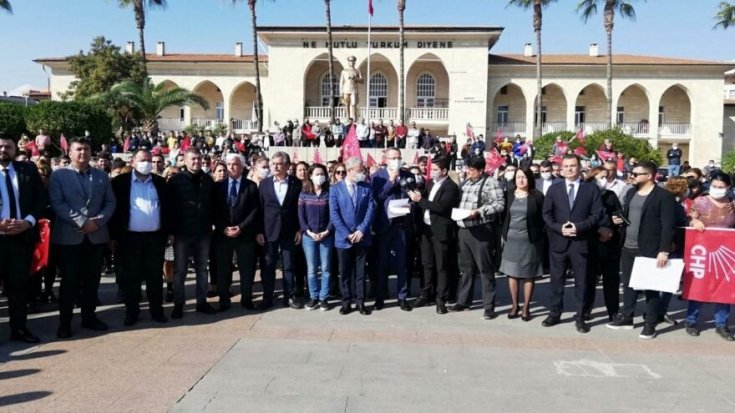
[
  {"x": 441, "y": 308},
  {"x": 177, "y": 312},
  {"x": 94, "y": 324},
  {"x": 205, "y": 308},
  {"x": 421, "y": 301},
  {"x": 364, "y": 310},
  {"x": 405, "y": 306},
  {"x": 551, "y": 321},
  {"x": 63, "y": 332},
  {"x": 346, "y": 309},
  {"x": 24, "y": 336},
  {"x": 265, "y": 305},
  {"x": 458, "y": 307},
  {"x": 582, "y": 326},
  {"x": 513, "y": 315},
  {"x": 489, "y": 314},
  {"x": 526, "y": 318},
  {"x": 130, "y": 319},
  {"x": 295, "y": 304},
  {"x": 159, "y": 317},
  {"x": 223, "y": 306},
  {"x": 247, "y": 304},
  {"x": 379, "y": 305}
]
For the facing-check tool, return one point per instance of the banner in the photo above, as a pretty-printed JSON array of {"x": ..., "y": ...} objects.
[
  {"x": 709, "y": 272},
  {"x": 40, "y": 252}
]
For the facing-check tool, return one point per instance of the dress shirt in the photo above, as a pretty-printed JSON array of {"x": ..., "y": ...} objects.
[
  {"x": 432, "y": 194},
  {"x": 546, "y": 184},
  {"x": 144, "y": 206},
  {"x": 5, "y": 212},
  {"x": 281, "y": 187},
  {"x": 363, "y": 132}
]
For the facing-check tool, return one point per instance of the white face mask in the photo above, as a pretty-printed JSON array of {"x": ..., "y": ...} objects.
[
  {"x": 205, "y": 169},
  {"x": 435, "y": 175},
  {"x": 509, "y": 175},
  {"x": 394, "y": 164},
  {"x": 318, "y": 180},
  {"x": 360, "y": 177},
  {"x": 264, "y": 172},
  {"x": 601, "y": 182},
  {"x": 717, "y": 193},
  {"x": 546, "y": 175},
  {"x": 143, "y": 167}
]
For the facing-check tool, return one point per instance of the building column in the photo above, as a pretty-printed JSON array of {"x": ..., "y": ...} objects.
[
  {"x": 187, "y": 115},
  {"x": 653, "y": 123},
  {"x": 530, "y": 115},
  {"x": 570, "y": 114}
]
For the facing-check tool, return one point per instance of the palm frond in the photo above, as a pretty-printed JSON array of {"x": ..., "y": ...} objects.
[
  {"x": 725, "y": 16},
  {"x": 5, "y": 5}
]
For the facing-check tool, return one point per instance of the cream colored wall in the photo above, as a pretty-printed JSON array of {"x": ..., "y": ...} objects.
[
  {"x": 209, "y": 92},
  {"x": 728, "y": 129},
  {"x": 386, "y": 69},
  {"x": 556, "y": 104},
  {"x": 595, "y": 104},
  {"x": 241, "y": 103},
  {"x": 677, "y": 108},
  {"x": 515, "y": 101},
  {"x": 635, "y": 104},
  {"x": 312, "y": 83},
  {"x": 441, "y": 81}
]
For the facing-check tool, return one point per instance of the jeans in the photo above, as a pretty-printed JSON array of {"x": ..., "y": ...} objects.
[
  {"x": 674, "y": 170},
  {"x": 722, "y": 313},
  {"x": 186, "y": 246},
  {"x": 318, "y": 254}
]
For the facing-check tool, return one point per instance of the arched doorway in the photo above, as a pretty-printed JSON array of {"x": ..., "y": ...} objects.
[
  {"x": 508, "y": 111},
  {"x": 674, "y": 112},
  {"x": 383, "y": 80},
  {"x": 242, "y": 109},
  {"x": 553, "y": 109},
  {"x": 632, "y": 111},
  {"x": 427, "y": 90},
  {"x": 590, "y": 109},
  {"x": 216, "y": 112},
  {"x": 316, "y": 88}
]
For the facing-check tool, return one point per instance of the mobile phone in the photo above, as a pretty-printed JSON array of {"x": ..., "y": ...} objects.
[{"x": 620, "y": 215}]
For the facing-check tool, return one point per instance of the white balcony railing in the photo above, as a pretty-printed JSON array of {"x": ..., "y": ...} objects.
[
  {"x": 430, "y": 114},
  {"x": 508, "y": 128},
  {"x": 379, "y": 113},
  {"x": 550, "y": 127},
  {"x": 243, "y": 125},
  {"x": 173, "y": 124},
  {"x": 635, "y": 129},
  {"x": 591, "y": 127},
  {"x": 205, "y": 123},
  {"x": 679, "y": 129},
  {"x": 322, "y": 112}
]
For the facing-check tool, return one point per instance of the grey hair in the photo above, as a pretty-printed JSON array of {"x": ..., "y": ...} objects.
[
  {"x": 231, "y": 156},
  {"x": 351, "y": 163},
  {"x": 282, "y": 155}
]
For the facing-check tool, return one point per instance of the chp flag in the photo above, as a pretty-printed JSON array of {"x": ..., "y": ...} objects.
[{"x": 709, "y": 265}]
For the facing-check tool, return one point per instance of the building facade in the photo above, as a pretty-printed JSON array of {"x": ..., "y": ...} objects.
[{"x": 451, "y": 78}]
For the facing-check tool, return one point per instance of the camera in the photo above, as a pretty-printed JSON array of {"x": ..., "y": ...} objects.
[{"x": 407, "y": 184}]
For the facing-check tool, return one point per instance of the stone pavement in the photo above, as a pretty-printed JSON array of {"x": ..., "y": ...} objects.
[{"x": 303, "y": 361}]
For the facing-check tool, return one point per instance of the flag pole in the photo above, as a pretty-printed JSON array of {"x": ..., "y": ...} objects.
[{"x": 370, "y": 21}]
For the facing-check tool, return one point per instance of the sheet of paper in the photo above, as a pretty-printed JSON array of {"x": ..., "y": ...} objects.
[
  {"x": 398, "y": 208},
  {"x": 647, "y": 276},
  {"x": 459, "y": 214}
]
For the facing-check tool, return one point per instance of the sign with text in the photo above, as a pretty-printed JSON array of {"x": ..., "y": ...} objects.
[
  {"x": 709, "y": 272},
  {"x": 380, "y": 44}
]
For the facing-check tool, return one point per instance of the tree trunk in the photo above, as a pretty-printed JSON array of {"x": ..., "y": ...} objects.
[
  {"x": 139, "y": 11},
  {"x": 537, "y": 22},
  {"x": 401, "y": 64},
  {"x": 258, "y": 95},
  {"x": 609, "y": 17},
  {"x": 328, "y": 11}
]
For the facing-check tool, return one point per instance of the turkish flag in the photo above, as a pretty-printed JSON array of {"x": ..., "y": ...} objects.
[
  {"x": 317, "y": 156},
  {"x": 351, "y": 147},
  {"x": 580, "y": 151},
  {"x": 605, "y": 155},
  {"x": 493, "y": 160},
  {"x": 63, "y": 143},
  {"x": 709, "y": 265},
  {"x": 370, "y": 7},
  {"x": 40, "y": 252},
  {"x": 370, "y": 161}
]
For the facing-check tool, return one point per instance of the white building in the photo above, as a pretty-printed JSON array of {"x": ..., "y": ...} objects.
[{"x": 451, "y": 78}]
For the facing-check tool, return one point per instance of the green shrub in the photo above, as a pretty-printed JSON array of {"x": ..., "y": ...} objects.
[
  {"x": 728, "y": 162},
  {"x": 12, "y": 119},
  {"x": 71, "y": 119},
  {"x": 627, "y": 144}
]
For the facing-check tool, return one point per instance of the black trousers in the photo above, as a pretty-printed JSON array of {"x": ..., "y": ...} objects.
[
  {"x": 80, "y": 267},
  {"x": 630, "y": 296},
  {"x": 245, "y": 252},
  {"x": 576, "y": 258},
  {"x": 604, "y": 259},
  {"x": 141, "y": 258},
  {"x": 352, "y": 269},
  {"x": 15, "y": 267},
  {"x": 435, "y": 259},
  {"x": 475, "y": 246}
]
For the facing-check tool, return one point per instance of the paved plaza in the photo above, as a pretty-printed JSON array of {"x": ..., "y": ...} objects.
[{"x": 392, "y": 361}]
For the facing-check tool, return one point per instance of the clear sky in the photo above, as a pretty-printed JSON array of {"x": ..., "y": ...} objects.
[{"x": 55, "y": 28}]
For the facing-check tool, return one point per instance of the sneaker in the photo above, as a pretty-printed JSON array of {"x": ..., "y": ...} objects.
[
  {"x": 691, "y": 329},
  {"x": 669, "y": 320},
  {"x": 323, "y": 305},
  {"x": 621, "y": 323},
  {"x": 725, "y": 333},
  {"x": 649, "y": 332},
  {"x": 311, "y": 305},
  {"x": 489, "y": 314}
]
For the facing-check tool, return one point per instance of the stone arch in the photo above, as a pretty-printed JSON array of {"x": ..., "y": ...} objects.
[
  {"x": 315, "y": 71},
  {"x": 174, "y": 112},
  {"x": 508, "y": 110},
  {"x": 213, "y": 95},
  {"x": 635, "y": 103},
  {"x": 430, "y": 64},
  {"x": 555, "y": 101},
  {"x": 593, "y": 99}
]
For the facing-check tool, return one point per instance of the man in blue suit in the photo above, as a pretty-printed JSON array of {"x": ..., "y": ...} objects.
[
  {"x": 391, "y": 234},
  {"x": 351, "y": 209},
  {"x": 572, "y": 212}
]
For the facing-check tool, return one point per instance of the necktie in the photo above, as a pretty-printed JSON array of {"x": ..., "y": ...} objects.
[
  {"x": 571, "y": 196},
  {"x": 11, "y": 195},
  {"x": 232, "y": 198},
  {"x": 353, "y": 195}
]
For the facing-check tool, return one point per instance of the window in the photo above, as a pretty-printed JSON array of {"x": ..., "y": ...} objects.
[
  {"x": 543, "y": 115},
  {"x": 326, "y": 93},
  {"x": 425, "y": 89},
  {"x": 661, "y": 117},
  {"x": 620, "y": 115},
  {"x": 579, "y": 116},
  {"x": 181, "y": 113},
  {"x": 378, "y": 91},
  {"x": 502, "y": 118},
  {"x": 219, "y": 111}
]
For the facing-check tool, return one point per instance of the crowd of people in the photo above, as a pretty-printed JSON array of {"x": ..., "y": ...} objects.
[{"x": 339, "y": 229}]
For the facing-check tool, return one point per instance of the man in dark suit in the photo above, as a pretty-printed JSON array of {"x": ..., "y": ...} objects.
[
  {"x": 236, "y": 221},
  {"x": 572, "y": 212},
  {"x": 138, "y": 229},
  {"x": 23, "y": 200},
  {"x": 351, "y": 209},
  {"x": 439, "y": 232},
  {"x": 650, "y": 212},
  {"x": 391, "y": 234},
  {"x": 279, "y": 198},
  {"x": 83, "y": 202}
]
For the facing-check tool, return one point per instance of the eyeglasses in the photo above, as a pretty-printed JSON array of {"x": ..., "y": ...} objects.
[
  {"x": 637, "y": 174},
  {"x": 340, "y": 172}
]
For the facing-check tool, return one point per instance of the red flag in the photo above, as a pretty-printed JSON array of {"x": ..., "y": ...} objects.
[
  {"x": 555, "y": 159},
  {"x": 523, "y": 149},
  {"x": 370, "y": 161},
  {"x": 383, "y": 161},
  {"x": 493, "y": 160},
  {"x": 351, "y": 147},
  {"x": 428, "y": 169},
  {"x": 709, "y": 275},
  {"x": 580, "y": 136},
  {"x": 40, "y": 252},
  {"x": 499, "y": 136},
  {"x": 317, "y": 156},
  {"x": 469, "y": 131},
  {"x": 580, "y": 151},
  {"x": 370, "y": 7},
  {"x": 63, "y": 143},
  {"x": 415, "y": 159},
  {"x": 126, "y": 145},
  {"x": 605, "y": 155}
]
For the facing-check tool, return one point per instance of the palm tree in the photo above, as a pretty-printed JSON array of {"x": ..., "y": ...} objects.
[
  {"x": 328, "y": 12},
  {"x": 148, "y": 100},
  {"x": 588, "y": 8},
  {"x": 725, "y": 16},
  {"x": 5, "y": 5},
  {"x": 537, "y": 6},
  {"x": 401, "y": 5},
  {"x": 139, "y": 7}
]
